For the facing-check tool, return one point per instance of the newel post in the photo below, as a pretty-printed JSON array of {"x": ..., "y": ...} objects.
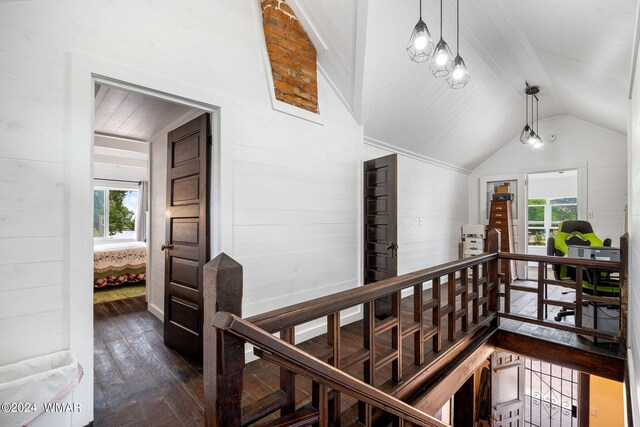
[
  {"x": 223, "y": 354},
  {"x": 493, "y": 245}
]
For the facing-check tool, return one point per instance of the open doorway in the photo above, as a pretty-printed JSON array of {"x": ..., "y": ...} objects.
[
  {"x": 125, "y": 125},
  {"x": 552, "y": 197},
  {"x": 139, "y": 142}
]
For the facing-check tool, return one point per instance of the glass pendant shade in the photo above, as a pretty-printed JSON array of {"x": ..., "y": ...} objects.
[
  {"x": 441, "y": 60},
  {"x": 524, "y": 135},
  {"x": 537, "y": 145},
  {"x": 420, "y": 44},
  {"x": 458, "y": 76}
]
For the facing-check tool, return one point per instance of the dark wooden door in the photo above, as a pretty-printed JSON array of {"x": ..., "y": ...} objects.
[
  {"x": 507, "y": 389},
  {"x": 380, "y": 224},
  {"x": 187, "y": 234}
]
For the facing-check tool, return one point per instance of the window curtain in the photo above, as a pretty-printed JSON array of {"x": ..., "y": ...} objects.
[{"x": 141, "y": 212}]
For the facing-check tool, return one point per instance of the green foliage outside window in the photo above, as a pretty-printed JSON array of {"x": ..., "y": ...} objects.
[
  {"x": 563, "y": 213},
  {"x": 537, "y": 202},
  {"x": 120, "y": 217},
  {"x": 556, "y": 210}
]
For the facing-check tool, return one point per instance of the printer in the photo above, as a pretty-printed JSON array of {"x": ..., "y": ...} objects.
[{"x": 600, "y": 253}]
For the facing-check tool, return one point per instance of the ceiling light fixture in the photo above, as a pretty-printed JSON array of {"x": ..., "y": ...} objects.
[
  {"x": 526, "y": 130},
  {"x": 458, "y": 76},
  {"x": 442, "y": 58},
  {"x": 535, "y": 143},
  {"x": 420, "y": 44},
  {"x": 530, "y": 134}
]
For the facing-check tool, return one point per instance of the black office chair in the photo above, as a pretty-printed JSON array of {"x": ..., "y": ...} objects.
[{"x": 580, "y": 233}]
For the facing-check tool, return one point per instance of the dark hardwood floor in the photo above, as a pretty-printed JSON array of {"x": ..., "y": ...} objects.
[{"x": 139, "y": 381}]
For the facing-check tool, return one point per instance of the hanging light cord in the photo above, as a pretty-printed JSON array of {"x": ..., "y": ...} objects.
[
  {"x": 537, "y": 118},
  {"x": 440, "y": 18},
  {"x": 458, "y": 27},
  {"x": 420, "y": 9},
  {"x": 532, "y": 121},
  {"x": 526, "y": 114}
]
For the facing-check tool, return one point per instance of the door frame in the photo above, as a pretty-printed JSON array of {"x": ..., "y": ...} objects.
[
  {"x": 83, "y": 72},
  {"x": 484, "y": 219},
  {"x": 581, "y": 195}
]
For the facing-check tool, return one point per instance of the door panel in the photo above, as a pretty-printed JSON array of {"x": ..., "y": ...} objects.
[
  {"x": 507, "y": 389},
  {"x": 187, "y": 246},
  {"x": 380, "y": 223}
]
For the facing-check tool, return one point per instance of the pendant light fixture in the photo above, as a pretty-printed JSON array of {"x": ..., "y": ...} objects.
[
  {"x": 526, "y": 131},
  {"x": 442, "y": 58},
  {"x": 524, "y": 135},
  {"x": 420, "y": 44},
  {"x": 535, "y": 143},
  {"x": 458, "y": 76}
]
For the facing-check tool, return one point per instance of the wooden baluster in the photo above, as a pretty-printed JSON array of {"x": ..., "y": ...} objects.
[
  {"x": 333, "y": 339},
  {"x": 368, "y": 326},
  {"x": 418, "y": 342},
  {"x": 288, "y": 378},
  {"x": 578, "y": 310},
  {"x": 436, "y": 316},
  {"x": 464, "y": 298},
  {"x": 541, "y": 289},
  {"x": 451, "y": 302},
  {"x": 396, "y": 337},
  {"x": 223, "y": 354},
  {"x": 475, "y": 288},
  {"x": 485, "y": 289},
  {"x": 493, "y": 243},
  {"x": 320, "y": 402},
  {"x": 507, "y": 286},
  {"x": 546, "y": 291}
]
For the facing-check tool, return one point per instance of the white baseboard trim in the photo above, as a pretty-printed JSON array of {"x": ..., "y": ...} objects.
[
  {"x": 313, "y": 331},
  {"x": 159, "y": 313}
]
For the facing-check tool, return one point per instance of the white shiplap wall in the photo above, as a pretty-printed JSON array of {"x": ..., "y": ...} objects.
[
  {"x": 157, "y": 225},
  {"x": 294, "y": 190},
  {"x": 633, "y": 333},
  {"x": 437, "y": 194},
  {"x": 578, "y": 143}
]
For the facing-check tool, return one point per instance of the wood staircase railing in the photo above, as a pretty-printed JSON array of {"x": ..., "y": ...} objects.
[
  {"x": 469, "y": 282},
  {"x": 324, "y": 376},
  {"x": 582, "y": 265},
  {"x": 469, "y": 306}
]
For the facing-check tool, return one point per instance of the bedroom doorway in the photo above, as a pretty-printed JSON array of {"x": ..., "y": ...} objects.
[
  {"x": 131, "y": 131},
  {"x": 129, "y": 161}
]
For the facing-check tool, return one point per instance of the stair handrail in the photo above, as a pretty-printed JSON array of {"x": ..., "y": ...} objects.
[
  {"x": 319, "y": 371},
  {"x": 297, "y": 314}
]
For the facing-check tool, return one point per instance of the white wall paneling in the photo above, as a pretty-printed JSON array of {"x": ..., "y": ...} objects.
[
  {"x": 598, "y": 154},
  {"x": 211, "y": 59},
  {"x": 438, "y": 196},
  {"x": 633, "y": 333}
]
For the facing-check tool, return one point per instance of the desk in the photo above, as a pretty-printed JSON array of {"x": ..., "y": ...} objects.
[{"x": 595, "y": 275}]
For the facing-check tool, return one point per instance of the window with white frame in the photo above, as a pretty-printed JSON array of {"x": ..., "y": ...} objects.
[
  {"x": 544, "y": 216},
  {"x": 114, "y": 213}
]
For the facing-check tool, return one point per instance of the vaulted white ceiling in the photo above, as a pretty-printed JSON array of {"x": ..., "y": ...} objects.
[{"x": 578, "y": 51}]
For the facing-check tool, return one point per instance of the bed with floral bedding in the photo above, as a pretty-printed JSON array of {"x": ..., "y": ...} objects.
[{"x": 119, "y": 263}]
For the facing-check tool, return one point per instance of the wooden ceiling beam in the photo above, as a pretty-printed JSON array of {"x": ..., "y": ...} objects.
[{"x": 594, "y": 363}]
